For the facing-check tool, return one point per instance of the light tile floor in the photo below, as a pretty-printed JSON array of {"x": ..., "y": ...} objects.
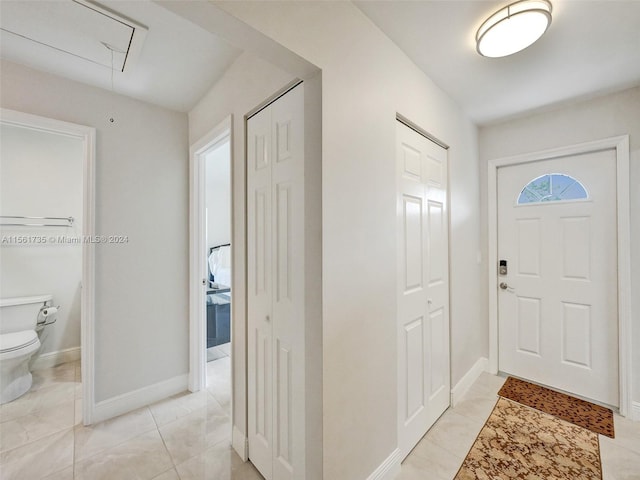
[
  {"x": 218, "y": 351},
  {"x": 441, "y": 451},
  {"x": 187, "y": 436}
]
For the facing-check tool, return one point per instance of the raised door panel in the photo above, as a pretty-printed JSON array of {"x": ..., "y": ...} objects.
[
  {"x": 528, "y": 326},
  {"x": 438, "y": 353},
  {"x": 260, "y": 241},
  {"x": 414, "y": 375},
  {"x": 283, "y": 137},
  {"x": 411, "y": 163},
  {"x": 576, "y": 248},
  {"x": 436, "y": 168},
  {"x": 262, "y": 387},
  {"x": 284, "y": 410},
  {"x": 412, "y": 251},
  {"x": 528, "y": 252},
  {"x": 261, "y": 146},
  {"x": 576, "y": 335},
  {"x": 437, "y": 247},
  {"x": 283, "y": 241}
]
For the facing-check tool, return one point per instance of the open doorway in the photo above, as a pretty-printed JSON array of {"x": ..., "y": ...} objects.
[
  {"x": 47, "y": 274},
  {"x": 211, "y": 231},
  {"x": 218, "y": 304}
]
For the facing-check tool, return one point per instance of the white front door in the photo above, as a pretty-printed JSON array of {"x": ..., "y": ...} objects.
[
  {"x": 557, "y": 302},
  {"x": 423, "y": 285}
]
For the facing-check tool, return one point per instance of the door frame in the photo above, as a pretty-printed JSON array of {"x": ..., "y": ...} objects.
[
  {"x": 621, "y": 145},
  {"x": 87, "y": 296},
  {"x": 197, "y": 244}
]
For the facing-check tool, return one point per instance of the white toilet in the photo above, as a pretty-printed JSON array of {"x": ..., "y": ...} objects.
[{"x": 18, "y": 342}]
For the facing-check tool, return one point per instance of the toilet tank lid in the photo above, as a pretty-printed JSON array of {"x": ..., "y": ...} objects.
[{"x": 9, "y": 302}]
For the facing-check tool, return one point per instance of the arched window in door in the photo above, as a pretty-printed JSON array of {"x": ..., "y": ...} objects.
[{"x": 552, "y": 187}]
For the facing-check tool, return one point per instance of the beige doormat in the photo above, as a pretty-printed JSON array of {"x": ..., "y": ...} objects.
[{"x": 519, "y": 442}]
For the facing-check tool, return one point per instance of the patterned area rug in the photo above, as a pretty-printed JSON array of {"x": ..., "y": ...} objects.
[
  {"x": 518, "y": 442},
  {"x": 579, "y": 412}
]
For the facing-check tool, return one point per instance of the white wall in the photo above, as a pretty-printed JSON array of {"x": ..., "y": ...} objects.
[
  {"x": 41, "y": 175},
  {"x": 141, "y": 191},
  {"x": 366, "y": 80},
  {"x": 594, "y": 119},
  {"x": 247, "y": 83},
  {"x": 218, "y": 195}
]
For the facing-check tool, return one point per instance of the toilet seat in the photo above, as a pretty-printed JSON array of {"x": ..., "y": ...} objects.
[{"x": 18, "y": 343}]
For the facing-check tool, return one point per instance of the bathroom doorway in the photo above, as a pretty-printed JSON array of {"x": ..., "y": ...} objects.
[{"x": 47, "y": 216}]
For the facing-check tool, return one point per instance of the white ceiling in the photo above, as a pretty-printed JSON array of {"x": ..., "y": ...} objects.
[
  {"x": 177, "y": 61},
  {"x": 592, "y": 47},
  {"x": 78, "y": 29}
]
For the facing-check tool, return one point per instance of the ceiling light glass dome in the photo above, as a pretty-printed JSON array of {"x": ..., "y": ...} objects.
[{"x": 513, "y": 28}]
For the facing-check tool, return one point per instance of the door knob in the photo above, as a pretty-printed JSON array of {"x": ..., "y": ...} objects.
[{"x": 504, "y": 286}]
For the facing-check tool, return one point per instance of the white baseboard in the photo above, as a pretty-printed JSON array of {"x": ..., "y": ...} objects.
[
  {"x": 463, "y": 386},
  {"x": 389, "y": 468},
  {"x": 240, "y": 443},
  {"x": 138, "y": 398},
  {"x": 51, "y": 359},
  {"x": 635, "y": 411}
]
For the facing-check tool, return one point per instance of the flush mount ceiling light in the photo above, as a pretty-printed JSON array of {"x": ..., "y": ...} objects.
[{"x": 513, "y": 28}]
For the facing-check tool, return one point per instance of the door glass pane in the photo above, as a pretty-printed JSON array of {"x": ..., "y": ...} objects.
[{"x": 552, "y": 187}]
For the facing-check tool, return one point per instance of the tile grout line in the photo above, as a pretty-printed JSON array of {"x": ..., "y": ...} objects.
[
  {"x": 32, "y": 440},
  {"x": 205, "y": 409},
  {"x": 164, "y": 443},
  {"x": 139, "y": 434},
  {"x": 34, "y": 410}
]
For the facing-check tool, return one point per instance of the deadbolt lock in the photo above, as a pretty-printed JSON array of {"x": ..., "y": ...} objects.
[{"x": 502, "y": 267}]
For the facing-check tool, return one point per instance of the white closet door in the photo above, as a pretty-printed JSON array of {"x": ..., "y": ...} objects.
[
  {"x": 259, "y": 291},
  {"x": 276, "y": 289},
  {"x": 423, "y": 285}
]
